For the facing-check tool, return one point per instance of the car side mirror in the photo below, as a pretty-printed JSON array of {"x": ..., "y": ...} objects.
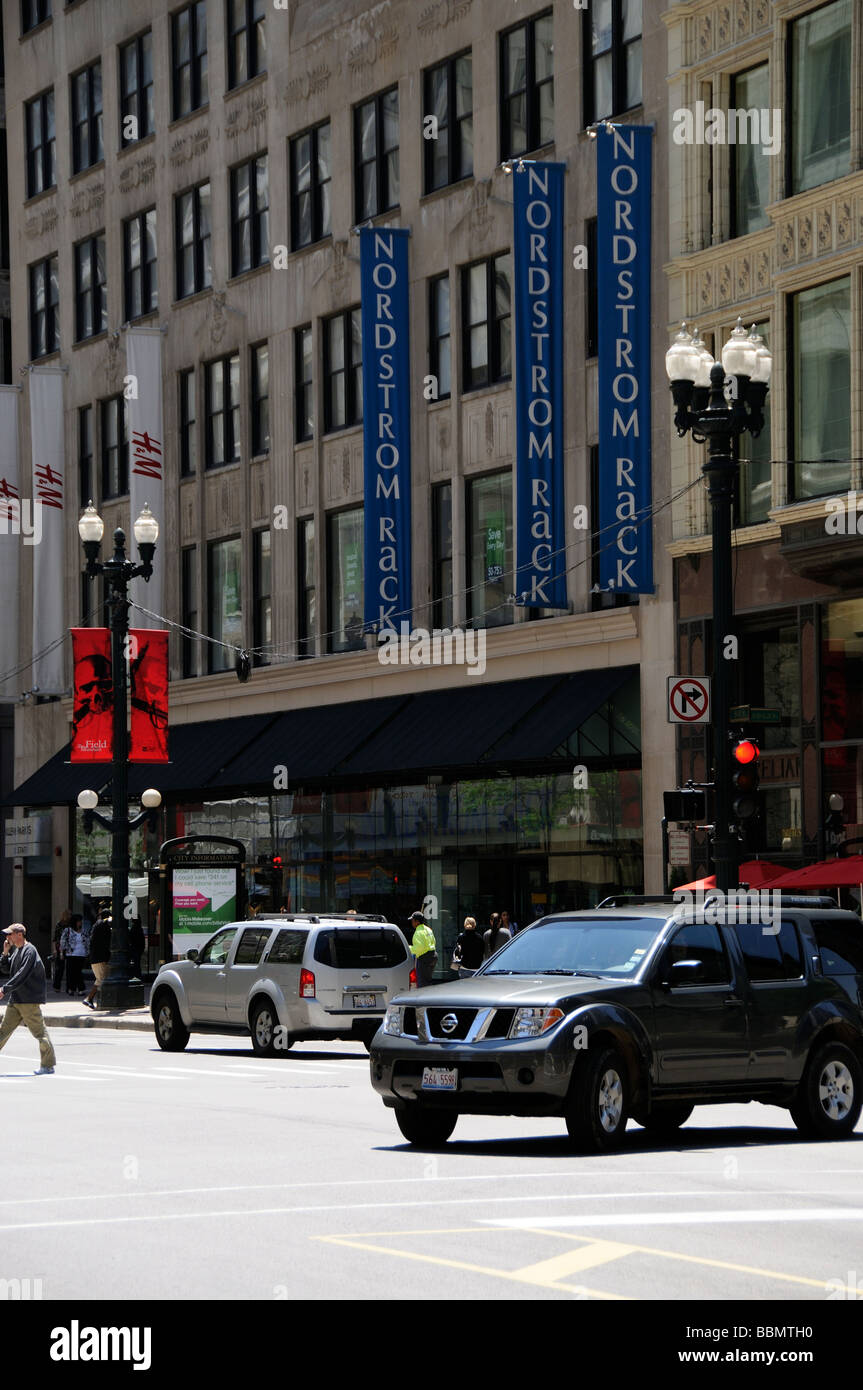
[
  {"x": 683, "y": 972},
  {"x": 192, "y": 955}
]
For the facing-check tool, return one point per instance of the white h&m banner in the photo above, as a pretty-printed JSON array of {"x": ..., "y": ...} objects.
[
  {"x": 49, "y": 506},
  {"x": 10, "y": 541},
  {"x": 146, "y": 459}
]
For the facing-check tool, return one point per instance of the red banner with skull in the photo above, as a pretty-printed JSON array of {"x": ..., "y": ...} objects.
[
  {"x": 148, "y": 672},
  {"x": 93, "y": 708}
]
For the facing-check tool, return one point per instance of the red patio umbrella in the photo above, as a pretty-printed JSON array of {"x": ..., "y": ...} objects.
[
  {"x": 828, "y": 873},
  {"x": 757, "y": 872}
]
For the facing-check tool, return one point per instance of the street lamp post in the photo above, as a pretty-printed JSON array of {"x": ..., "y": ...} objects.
[
  {"x": 116, "y": 990},
  {"x": 717, "y": 403}
]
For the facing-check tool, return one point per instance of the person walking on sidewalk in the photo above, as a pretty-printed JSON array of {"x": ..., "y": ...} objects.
[
  {"x": 73, "y": 944},
  {"x": 57, "y": 962},
  {"x": 424, "y": 948},
  {"x": 495, "y": 937},
  {"x": 100, "y": 954},
  {"x": 468, "y": 954},
  {"x": 24, "y": 991}
]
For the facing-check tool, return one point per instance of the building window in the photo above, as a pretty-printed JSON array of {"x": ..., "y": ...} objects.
[
  {"x": 308, "y": 623},
  {"x": 262, "y": 598},
  {"x": 489, "y": 561},
  {"x": 343, "y": 371},
  {"x": 750, "y": 165},
  {"x": 188, "y": 424},
  {"x": 140, "y": 276},
  {"x": 189, "y": 29},
  {"x": 486, "y": 322},
  {"x": 41, "y": 139},
  {"x": 304, "y": 401},
  {"x": 44, "y": 308},
  {"x": 87, "y": 118},
  {"x": 311, "y": 172},
  {"x": 189, "y": 604},
  {"x": 448, "y": 96},
  {"x": 34, "y": 12},
  {"x": 376, "y": 154},
  {"x": 247, "y": 40},
  {"x": 260, "y": 400},
  {"x": 225, "y": 598},
  {"x": 250, "y": 203},
  {"x": 527, "y": 87},
  {"x": 612, "y": 69},
  {"x": 755, "y": 486},
  {"x": 820, "y": 96},
  {"x": 440, "y": 336},
  {"x": 85, "y": 454},
  {"x": 91, "y": 306},
  {"x": 136, "y": 89},
  {"x": 442, "y": 554},
  {"x": 345, "y": 586},
  {"x": 115, "y": 449},
  {"x": 821, "y": 389},
  {"x": 590, "y": 281},
  {"x": 223, "y": 411},
  {"x": 194, "y": 263}
]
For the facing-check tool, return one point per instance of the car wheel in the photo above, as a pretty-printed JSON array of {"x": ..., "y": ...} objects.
[
  {"x": 598, "y": 1105},
  {"x": 171, "y": 1032},
  {"x": 425, "y": 1128},
  {"x": 830, "y": 1095},
  {"x": 264, "y": 1029},
  {"x": 665, "y": 1118}
]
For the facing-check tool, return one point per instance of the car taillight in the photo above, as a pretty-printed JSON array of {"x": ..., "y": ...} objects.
[
  {"x": 307, "y": 984},
  {"x": 413, "y": 983}
]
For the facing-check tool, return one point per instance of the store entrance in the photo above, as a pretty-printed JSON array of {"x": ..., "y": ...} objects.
[{"x": 490, "y": 885}]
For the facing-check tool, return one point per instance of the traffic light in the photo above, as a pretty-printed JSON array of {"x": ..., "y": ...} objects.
[
  {"x": 276, "y": 861},
  {"x": 744, "y": 779}
]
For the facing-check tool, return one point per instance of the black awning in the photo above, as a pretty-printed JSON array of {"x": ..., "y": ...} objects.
[{"x": 487, "y": 724}]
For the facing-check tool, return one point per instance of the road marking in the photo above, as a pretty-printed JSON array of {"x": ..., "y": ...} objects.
[
  {"x": 688, "y": 1218},
  {"x": 550, "y": 1272},
  {"x": 699, "y": 1260},
  {"x": 513, "y": 1276}
]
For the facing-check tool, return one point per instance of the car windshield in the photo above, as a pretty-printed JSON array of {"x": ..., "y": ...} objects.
[{"x": 583, "y": 946}]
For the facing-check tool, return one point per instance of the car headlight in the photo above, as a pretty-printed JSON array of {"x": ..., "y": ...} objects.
[
  {"x": 529, "y": 1023},
  {"x": 394, "y": 1019}
]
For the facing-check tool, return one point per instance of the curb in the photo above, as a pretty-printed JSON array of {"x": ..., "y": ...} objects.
[{"x": 135, "y": 1025}]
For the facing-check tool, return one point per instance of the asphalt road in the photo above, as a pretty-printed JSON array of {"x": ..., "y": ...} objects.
[{"x": 215, "y": 1174}]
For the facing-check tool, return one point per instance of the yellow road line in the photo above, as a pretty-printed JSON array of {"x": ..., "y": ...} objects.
[
  {"x": 512, "y": 1276},
  {"x": 692, "y": 1259},
  {"x": 599, "y": 1252}
]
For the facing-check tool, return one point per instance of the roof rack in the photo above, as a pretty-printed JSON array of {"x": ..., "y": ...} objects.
[{"x": 636, "y": 899}]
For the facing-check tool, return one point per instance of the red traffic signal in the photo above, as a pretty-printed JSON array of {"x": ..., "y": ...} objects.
[
  {"x": 276, "y": 861},
  {"x": 745, "y": 751}
]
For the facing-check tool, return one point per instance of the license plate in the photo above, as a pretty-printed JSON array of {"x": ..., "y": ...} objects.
[
  {"x": 364, "y": 1001},
  {"x": 439, "y": 1079}
]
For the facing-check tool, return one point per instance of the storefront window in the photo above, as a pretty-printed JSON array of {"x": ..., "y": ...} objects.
[
  {"x": 490, "y": 573},
  {"x": 842, "y": 671},
  {"x": 345, "y": 554}
]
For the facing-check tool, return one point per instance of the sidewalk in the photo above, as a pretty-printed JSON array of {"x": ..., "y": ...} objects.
[{"x": 63, "y": 1012}]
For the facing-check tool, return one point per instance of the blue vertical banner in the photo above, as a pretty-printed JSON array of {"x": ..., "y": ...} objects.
[
  {"x": 386, "y": 426},
  {"x": 623, "y": 174},
  {"x": 540, "y": 530}
]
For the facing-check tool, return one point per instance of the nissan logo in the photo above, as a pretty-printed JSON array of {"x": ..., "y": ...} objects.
[
  {"x": 449, "y": 1023},
  {"x": 365, "y": 975}
]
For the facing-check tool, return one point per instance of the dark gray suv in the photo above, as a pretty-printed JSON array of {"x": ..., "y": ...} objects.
[{"x": 637, "y": 1009}]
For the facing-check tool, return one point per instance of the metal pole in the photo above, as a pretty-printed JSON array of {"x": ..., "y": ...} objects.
[
  {"x": 116, "y": 991},
  {"x": 721, "y": 472}
]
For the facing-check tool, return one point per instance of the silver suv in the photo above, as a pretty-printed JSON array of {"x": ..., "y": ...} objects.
[{"x": 284, "y": 979}]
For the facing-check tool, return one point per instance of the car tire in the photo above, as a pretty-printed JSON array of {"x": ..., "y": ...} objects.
[
  {"x": 172, "y": 1035},
  {"x": 830, "y": 1094},
  {"x": 666, "y": 1117},
  {"x": 598, "y": 1105},
  {"x": 263, "y": 1026},
  {"x": 428, "y": 1129}
]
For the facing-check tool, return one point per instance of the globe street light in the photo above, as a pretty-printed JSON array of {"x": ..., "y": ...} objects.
[
  {"x": 717, "y": 403},
  {"x": 116, "y": 990}
]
